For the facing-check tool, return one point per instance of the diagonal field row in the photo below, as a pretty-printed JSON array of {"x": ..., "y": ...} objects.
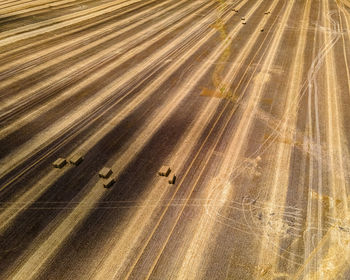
[{"x": 246, "y": 101}]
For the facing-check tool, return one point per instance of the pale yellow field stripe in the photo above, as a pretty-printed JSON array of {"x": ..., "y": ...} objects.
[
  {"x": 331, "y": 260},
  {"x": 30, "y": 30},
  {"x": 346, "y": 15},
  {"x": 27, "y": 3},
  {"x": 193, "y": 261},
  {"x": 31, "y": 7},
  {"x": 334, "y": 128},
  {"x": 309, "y": 223},
  {"x": 10, "y": 53},
  {"x": 14, "y": 3},
  {"x": 280, "y": 176},
  {"x": 73, "y": 68},
  {"x": 76, "y": 41}
]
